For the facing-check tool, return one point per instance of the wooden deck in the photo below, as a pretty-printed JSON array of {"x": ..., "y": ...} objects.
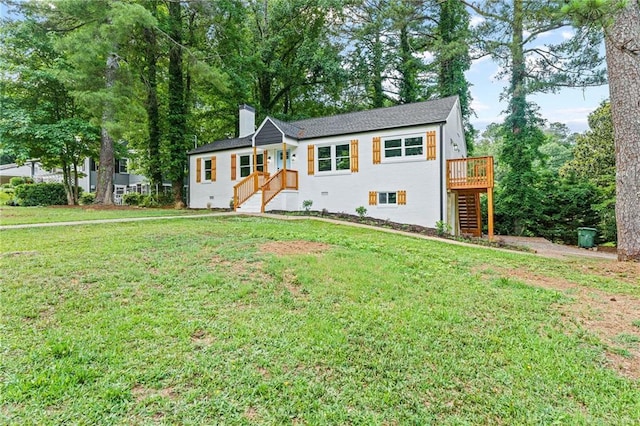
[
  {"x": 470, "y": 173},
  {"x": 468, "y": 177}
]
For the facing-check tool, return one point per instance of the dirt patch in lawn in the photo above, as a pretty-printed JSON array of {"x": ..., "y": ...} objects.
[
  {"x": 286, "y": 248},
  {"x": 628, "y": 272},
  {"x": 613, "y": 318},
  {"x": 201, "y": 338},
  {"x": 140, "y": 393}
]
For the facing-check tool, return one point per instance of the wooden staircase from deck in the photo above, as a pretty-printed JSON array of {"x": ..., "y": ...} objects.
[
  {"x": 469, "y": 214},
  {"x": 468, "y": 178}
]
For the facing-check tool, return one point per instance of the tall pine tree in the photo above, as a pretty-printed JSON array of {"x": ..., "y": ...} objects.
[{"x": 509, "y": 34}]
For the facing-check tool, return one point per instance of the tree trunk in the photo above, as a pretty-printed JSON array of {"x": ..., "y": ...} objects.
[
  {"x": 75, "y": 182},
  {"x": 378, "y": 90},
  {"x": 66, "y": 182},
  {"x": 104, "y": 184},
  {"x": 623, "y": 63},
  {"x": 408, "y": 82},
  {"x": 518, "y": 100},
  {"x": 177, "y": 108},
  {"x": 153, "y": 114}
]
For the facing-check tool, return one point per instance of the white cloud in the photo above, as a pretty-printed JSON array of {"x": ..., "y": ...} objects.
[
  {"x": 566, "y": 35},
  {"x": 479, "y": 61},
  {"x": 478, "y": 106},
  {"x": 427, "y": 56},
  {"x": 476, "y": 20}
]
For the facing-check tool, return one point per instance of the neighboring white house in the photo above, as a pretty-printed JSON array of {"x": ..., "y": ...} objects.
[
  {"x": 8, "y": 171},
  {"x": 30, "y": 169},
  {"x": 392, "y": 161}
]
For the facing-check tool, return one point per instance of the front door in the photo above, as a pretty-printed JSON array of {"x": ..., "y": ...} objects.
[{"x": 279, "y": 159}]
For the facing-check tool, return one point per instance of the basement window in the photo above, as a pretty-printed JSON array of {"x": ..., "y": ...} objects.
[{"x": 387, "y": 198}]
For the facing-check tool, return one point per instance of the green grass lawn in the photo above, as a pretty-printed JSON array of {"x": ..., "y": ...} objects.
[
  {"x": 26, "y": 215},
  {"x": 190, "y": 322}
]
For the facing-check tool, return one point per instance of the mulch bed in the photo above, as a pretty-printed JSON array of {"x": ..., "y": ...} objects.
[{"x": 415, "y": 229}]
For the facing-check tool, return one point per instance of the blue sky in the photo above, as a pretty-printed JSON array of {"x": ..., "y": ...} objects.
[{"x": 570, "y": 105}]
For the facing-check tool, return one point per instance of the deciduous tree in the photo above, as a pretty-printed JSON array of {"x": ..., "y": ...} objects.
[{"x": 39, "y": 118}]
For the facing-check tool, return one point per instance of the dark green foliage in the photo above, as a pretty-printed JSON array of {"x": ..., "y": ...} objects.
[
  {"x": 15, "y": 181},
  {"x": 452, "y": 59},
  {"x": 594, "y": 162},
  {"x": 177, "y": 113},
  {"x": 149, "y": 200},
  {"x": 594, "y": 151},
  {"x": 132, "y": 199},
  {"x": 566, "y": 206},
  {"x": 606, "y": 208},
  {"x": 517, "y": 197},
  {"x": 157, "y": 200},
  {"x": 41, "y": 194},
  {"x": 40, "y": 118},
  {"x": 87, "y": 198}
]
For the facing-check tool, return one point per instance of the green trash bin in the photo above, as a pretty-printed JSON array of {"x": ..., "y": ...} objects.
[{"x": 586, "y": 237}]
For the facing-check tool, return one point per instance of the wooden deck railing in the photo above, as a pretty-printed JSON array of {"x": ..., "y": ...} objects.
[
  {"x": 284, "y": 179},
  {"x": 470, "y": 173},
  {"x": 247, "y": 187}
]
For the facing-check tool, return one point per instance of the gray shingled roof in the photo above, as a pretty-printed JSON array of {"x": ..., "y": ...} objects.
[
  {"x": 415, "y": 114},
  {"x": 419, "y": 113},
  {"x": 223, "y": 144},
  {"x": 289, "y": 129}
]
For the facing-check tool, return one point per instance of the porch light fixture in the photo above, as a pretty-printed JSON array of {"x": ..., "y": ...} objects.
[
  {"x": 293, "y": 157},
  {"x": 268, "y": 159}
]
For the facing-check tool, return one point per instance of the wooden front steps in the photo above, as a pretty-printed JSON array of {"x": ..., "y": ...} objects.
[{"x": 268, "y": 186}]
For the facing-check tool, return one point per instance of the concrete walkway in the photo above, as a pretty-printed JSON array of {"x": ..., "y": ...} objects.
[
  {"x": 540, "y": 246},
  {"x": 122, "y": 220},
  {"x": 547, "y": 248}
]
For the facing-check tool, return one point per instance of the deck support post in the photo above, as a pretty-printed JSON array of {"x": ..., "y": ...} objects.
[
  {"x": 284, "y": 164},
  {"x": 490, "y": 212},
  {"x": 255, "y": 158}
]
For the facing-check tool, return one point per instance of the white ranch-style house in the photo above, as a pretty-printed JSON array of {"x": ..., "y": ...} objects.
[{"x": 405, "y": 163}]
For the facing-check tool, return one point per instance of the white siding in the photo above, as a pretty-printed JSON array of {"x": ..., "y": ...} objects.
[
  {"x": 216, "y": 194},
  {"x": 344, "y": 191}
]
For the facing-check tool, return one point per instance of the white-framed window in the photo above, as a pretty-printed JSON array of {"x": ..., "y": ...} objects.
[
  {"x": 404, "y": 146},
  {"x": 123, "y": 166},
  {"x": 246, "y": 166},
  {"x": 207, "y": 170},
  {"x": 387, "y": 198},
  {"x": 334, "y": 157},
  {"x": 260, "y": 162}
]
